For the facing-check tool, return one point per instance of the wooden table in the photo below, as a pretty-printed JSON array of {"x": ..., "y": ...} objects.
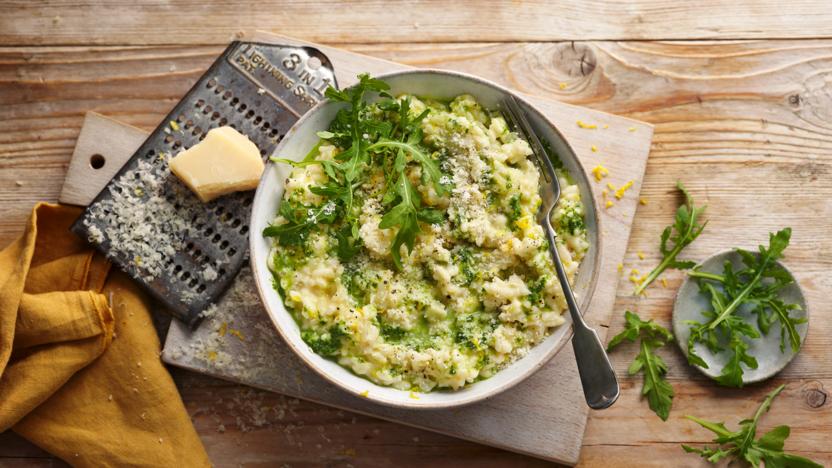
[{"x": 740, "y": 93}]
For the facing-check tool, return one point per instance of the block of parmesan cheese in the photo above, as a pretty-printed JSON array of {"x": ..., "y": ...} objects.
[{"x": 225, "y": 161}]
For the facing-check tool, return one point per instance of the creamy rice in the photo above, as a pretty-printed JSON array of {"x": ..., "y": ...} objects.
[{"x": 477, "y": 291}]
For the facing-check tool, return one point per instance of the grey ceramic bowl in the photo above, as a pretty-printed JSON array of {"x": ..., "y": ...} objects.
[
  {"x": 296, "y": 143},
  {"x": 689, "y": 306}
]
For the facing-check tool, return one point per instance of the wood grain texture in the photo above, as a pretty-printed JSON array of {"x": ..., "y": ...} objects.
[
  {"x": 747, "y": 125},
  {"x": 99, "y": 154},
  {"x": 119, "y": 22}
]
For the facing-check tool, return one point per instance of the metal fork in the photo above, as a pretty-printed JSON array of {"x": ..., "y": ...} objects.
[{"x": 597, "y": 376}]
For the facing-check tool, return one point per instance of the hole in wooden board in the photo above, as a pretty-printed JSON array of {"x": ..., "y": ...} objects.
[{"x": 97, "y": 161}]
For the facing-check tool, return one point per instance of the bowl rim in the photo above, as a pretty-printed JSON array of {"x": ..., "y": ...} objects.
[
  {"x": 713, "y": 373},
  {"x": 417, "y": 404}
]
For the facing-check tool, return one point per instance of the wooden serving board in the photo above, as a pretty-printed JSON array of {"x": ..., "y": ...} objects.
[{"x": 544, "y": 416}]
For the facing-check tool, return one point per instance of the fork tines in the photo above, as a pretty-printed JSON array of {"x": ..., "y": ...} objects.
[{"x": 517, "y": 119}]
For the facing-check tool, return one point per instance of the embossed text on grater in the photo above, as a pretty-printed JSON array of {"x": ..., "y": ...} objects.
[{"x": 185, "y": 252}]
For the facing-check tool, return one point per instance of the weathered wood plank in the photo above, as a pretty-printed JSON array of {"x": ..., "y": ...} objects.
[
  {"x": 276, "y": 429},
  {"x": 213, "y": 21},
  {"x": 746, "y": 125}
]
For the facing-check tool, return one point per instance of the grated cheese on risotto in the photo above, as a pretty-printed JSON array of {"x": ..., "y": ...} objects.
[{"x": 477, "y": 291}]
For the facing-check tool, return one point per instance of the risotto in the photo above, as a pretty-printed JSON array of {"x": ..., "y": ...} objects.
[{"x": 472, "y": 290}]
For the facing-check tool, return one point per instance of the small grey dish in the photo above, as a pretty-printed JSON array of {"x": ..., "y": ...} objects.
[{"x": 690, "y": 304}]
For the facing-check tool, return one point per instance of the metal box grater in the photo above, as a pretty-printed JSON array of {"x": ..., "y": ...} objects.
[{"x": 185, "y": 252}]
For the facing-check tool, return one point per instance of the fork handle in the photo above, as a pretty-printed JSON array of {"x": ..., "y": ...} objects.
[{"x": 597, "y": 376}]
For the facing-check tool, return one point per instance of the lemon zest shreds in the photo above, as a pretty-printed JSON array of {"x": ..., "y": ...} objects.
[
  {"x": 664, "y": 282},
  {"x": 562, "y": 85},
  {"x": 641, "y": 255},
  {"x": 594, "y": 148},
  {"x": 585, "y": 125},
  {"x": 642, "y": 201},
  {"x": 600, "y": 172},
  {"x": 620, "y": 192}
]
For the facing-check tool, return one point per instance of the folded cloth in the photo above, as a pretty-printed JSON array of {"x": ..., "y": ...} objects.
[{"x": 80, "y": 374}]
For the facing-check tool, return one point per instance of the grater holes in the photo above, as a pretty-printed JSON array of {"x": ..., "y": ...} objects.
[
  {"x": 234, "y": 102},
  {"x": 209, "y": 232},
  {"x": 232, "y": 251},
  {"x": 242, "y": 108},
  {"x": 223, "y": 245},
  {"x": 257, "y": 120},
  {"x": 216, "y": 238},
  {"x": 223, "y": 121},
  {"x": 199, "y": 103},
  {"x": 176, "y": 145},
  {"x": 236, "y": 223},
  {"x": 192, "y": 283},
  {"x": 185, "y": 275},
  {"x": 189, "y": 124},
  {"x": 201, "y": 288},
  {"x": 265, "y": 127},
  {"x": 262, "y": 152},
  {"x": 249, "y": 114},
  {"x": 273, "y": 133},
  {"x": 150, "y": 154},
  {"x": 221, "y": 272},
  {"x": 177, "y": 269},
  {"x": 207, "y": 109},
  {"x": 211, "y": 83},
  {"x": 180, "y": 119},
  {"x": 227, "y": 95},
  {"x": 244, "y": 230},
  {"x": 219, "y": 89},
  {"x": 197, "y": 130},
  {"x": 247, "y": 201},
  {"x": 215, "y": 116},
  {"x": 168, "y": 139}
]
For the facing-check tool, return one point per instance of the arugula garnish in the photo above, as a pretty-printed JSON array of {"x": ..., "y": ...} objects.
[
  {"x": 757, "y": 284},
  {"x": 405, "y": 215},
  {"x": 684, "y": 230},
  {"x": 300, "y": 221},
  {"x": 742, "y": 445},
  {"x": 658, "y": 390},
  {"x": 385, "y": 133}
]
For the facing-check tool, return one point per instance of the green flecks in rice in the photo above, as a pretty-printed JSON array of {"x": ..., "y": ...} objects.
[{"x": 478, "y": 289}]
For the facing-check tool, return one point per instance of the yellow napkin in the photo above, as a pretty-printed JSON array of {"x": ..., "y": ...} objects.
[{"x": 80, "y": 374}]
